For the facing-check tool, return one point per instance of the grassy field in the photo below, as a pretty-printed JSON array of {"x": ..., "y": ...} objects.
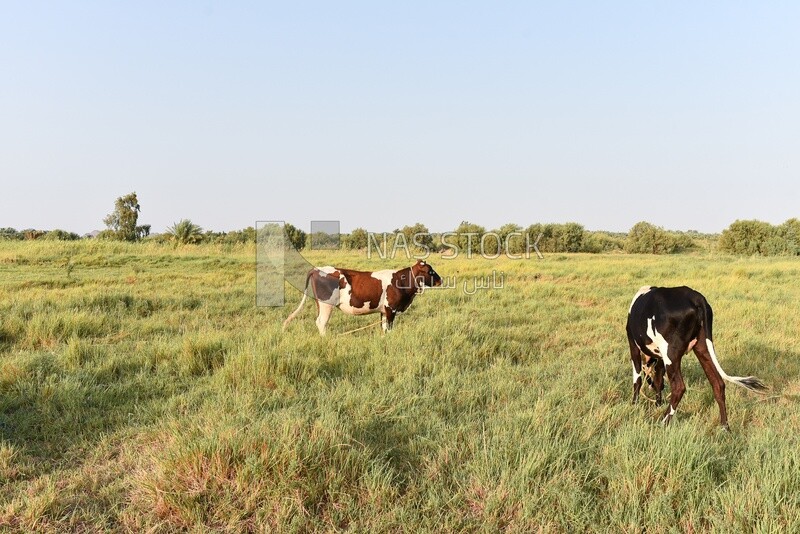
[{"x": 141, "y": 389}]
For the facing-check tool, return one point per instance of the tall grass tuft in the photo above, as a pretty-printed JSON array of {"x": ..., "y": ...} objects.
[{"x": 203, "y": 353}]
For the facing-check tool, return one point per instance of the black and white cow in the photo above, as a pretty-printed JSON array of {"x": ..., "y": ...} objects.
[
  {"x": 388, "y": 292},
  {"x": 664, "y": 323}
]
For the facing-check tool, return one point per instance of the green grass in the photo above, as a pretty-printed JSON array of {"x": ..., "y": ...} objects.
[{"x": 141, "y": 389}]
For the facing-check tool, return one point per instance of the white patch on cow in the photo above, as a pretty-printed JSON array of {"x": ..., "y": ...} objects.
[
  {"x": 659, "y": 345},
  {"x": 385, "y": 276},
  {"x": 670, "y": 414},
  {"x": 642, "y": 291},
  {"x": 635, "y": 374},
  {"x": 344, "y": 303},
  {"x": 327, "y": 269},
  {"x": 323, "y": 317}
]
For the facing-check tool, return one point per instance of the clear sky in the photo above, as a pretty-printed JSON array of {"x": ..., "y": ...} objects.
[{"x": 381, "y": 114}]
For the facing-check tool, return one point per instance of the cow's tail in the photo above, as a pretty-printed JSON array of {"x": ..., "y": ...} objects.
[
  {"x": 300, "y": 306},
  {"x": 748, "y": 382}
]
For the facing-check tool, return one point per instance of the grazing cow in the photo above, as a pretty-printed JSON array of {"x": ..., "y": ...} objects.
[
  {"x": 664, "y": 323},
  {"x": 387, "y": 292}
]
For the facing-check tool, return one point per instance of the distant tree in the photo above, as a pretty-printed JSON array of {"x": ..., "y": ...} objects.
[
  {"x": 468, "y": 237},
  {"x": 789, "y": 233},
  {"x": 357, "y": 239},
  {"x": 210, "y": 236},
  {"x": 122, "y": 221},
  {"x": 322, "y": 240},
  {"x": 761, "y": 238},
  {"x": 10, "y": 234},
  {"x": 185, "y": 232},
  {"x": 571, "y": 237},
  {"x": 538, "y": 234},
  {"x": 512, "y": 238},
  {"x": 247, "y": 235},
  {"x": 684, "y": 241},
  {"x": 60, "y": 235},
  {"x": 646, "y": 238},
  {"x": 747, "y": 238},
  {"x": 296, "y": 237},
  {"x": 597, "y": 242},
  {"x": 417, "y": 236}
]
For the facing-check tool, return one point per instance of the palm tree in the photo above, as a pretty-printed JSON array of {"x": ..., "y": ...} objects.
[{"x": 185, "y": 232}]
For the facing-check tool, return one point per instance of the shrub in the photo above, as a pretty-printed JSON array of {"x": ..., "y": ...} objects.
[
  {"x": 598, "y": 242},
  {"x": 747, "y": 238},
  {"x": 567, "y": 237},
  {"x": 203, "y": 354},
  {"x": 357, "y": 239},
  {"x": 469, "y": 237},
  {"x": 295, "y": 236},
  {"x": 60, "y": 235},
  {"x": 761, "y": 238},
  {"x": 646, "y": 238},
  {"x": 10, "y": 234}
]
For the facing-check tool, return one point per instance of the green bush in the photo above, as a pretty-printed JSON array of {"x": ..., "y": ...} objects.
[
  {"x": 11, "y": 234},
  {"x": 567, "y": 237},
  {"x": 357, "y": 239},
  {"x": 60, "y": 235},
  {"x": 599, "y": 242},
  {"x": 751, "y": 238},
  {"x": 746, "y": 237},
  {"x": 646, "y": 238},
  {"x": 296, "y": 237}
]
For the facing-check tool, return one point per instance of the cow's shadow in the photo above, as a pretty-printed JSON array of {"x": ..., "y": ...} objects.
[{"x": 392, "y": 441}]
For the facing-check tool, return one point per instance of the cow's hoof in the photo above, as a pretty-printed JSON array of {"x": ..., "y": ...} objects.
[{"x": 725, "y": 427}]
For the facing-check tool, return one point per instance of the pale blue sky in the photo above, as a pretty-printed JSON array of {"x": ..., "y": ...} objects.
[{"x": 378, "y": 114}]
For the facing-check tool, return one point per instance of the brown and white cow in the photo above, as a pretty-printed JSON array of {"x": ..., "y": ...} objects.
[
  {"x": 664, "y": 323},
  {"x": 387, "y": 292}
]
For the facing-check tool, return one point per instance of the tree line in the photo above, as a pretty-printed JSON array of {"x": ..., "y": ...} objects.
[
  {"x": 547, "y": 237},
  {"x": 743, "y": 237}
]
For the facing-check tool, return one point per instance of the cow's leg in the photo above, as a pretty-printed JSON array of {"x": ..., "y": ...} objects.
[
  {"x": 658, "y": 381},
  {"x": 717, "y": 383},
  {"x": 324, "y": 316},
  {"x": 676, "y": 384},
  {"x": 636, "y": 363},
  {"x": 388, "y": 319}
]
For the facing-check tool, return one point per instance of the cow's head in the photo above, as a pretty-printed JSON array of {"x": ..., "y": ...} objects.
[{"x": 425, "y": 275}]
